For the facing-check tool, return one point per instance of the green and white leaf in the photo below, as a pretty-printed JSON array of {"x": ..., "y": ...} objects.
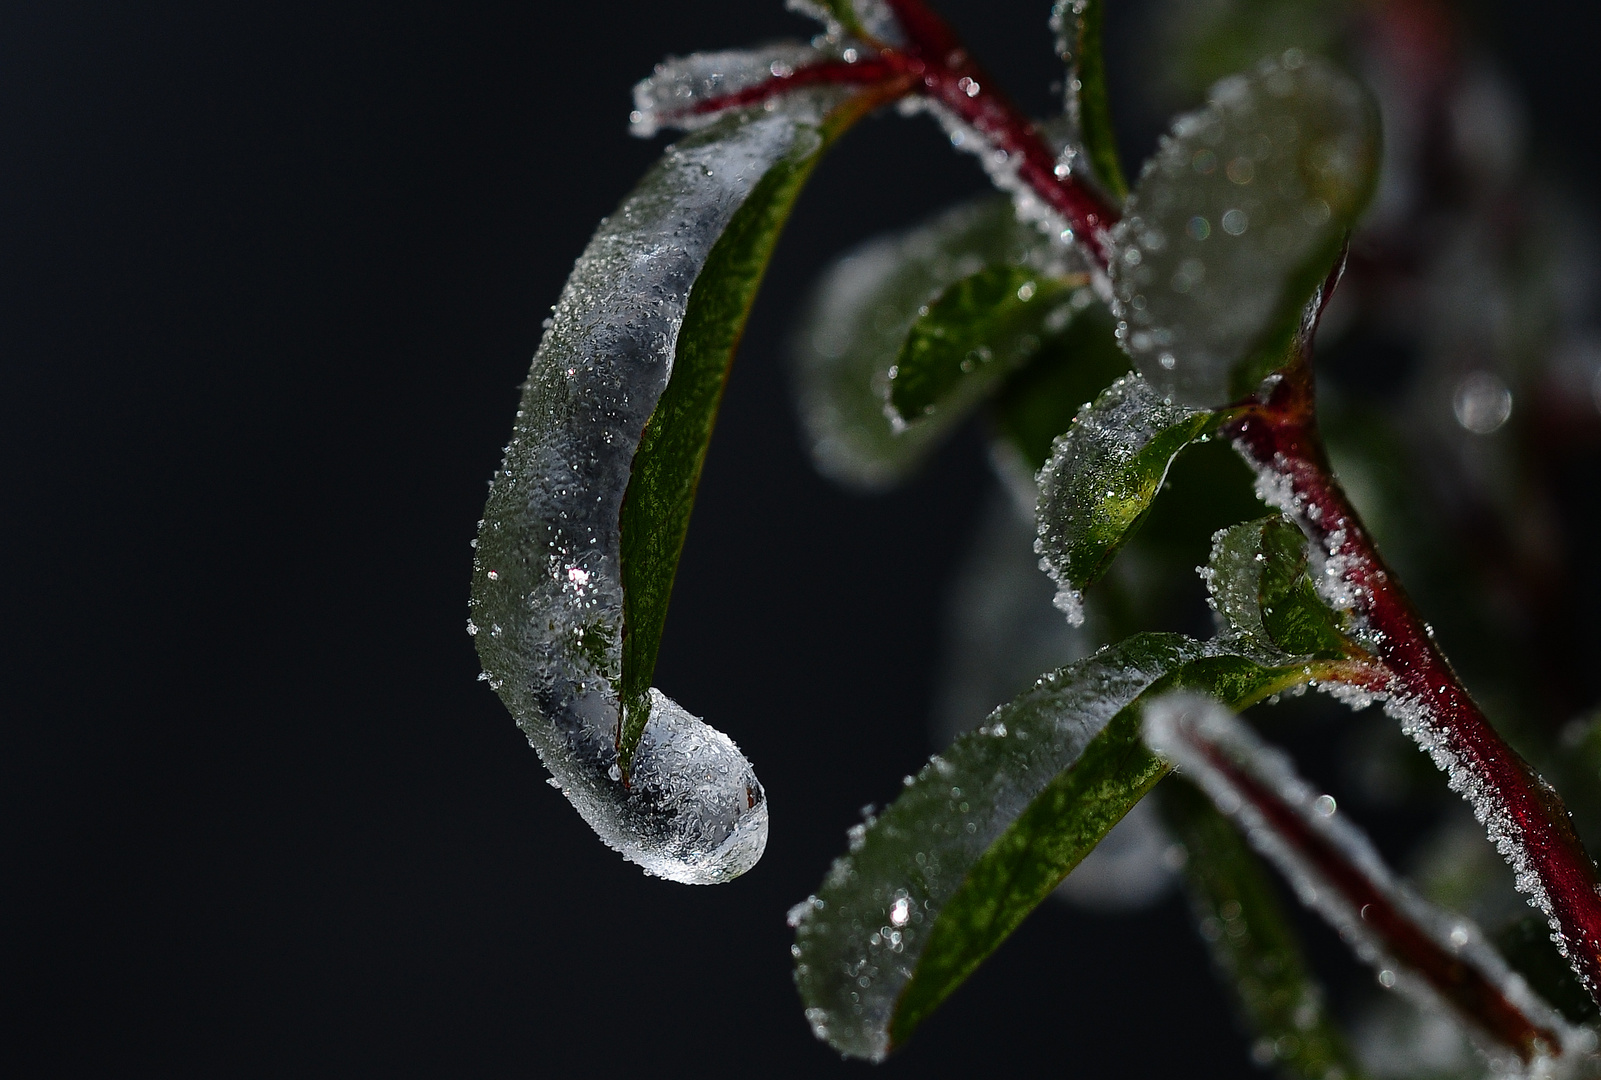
[
  {"x": 1102, "y": 477},
  {"x": 979, "y": 330},
  {"x": 1235, "y": 223},
  {"x": 1259, "y": 584},
  {"x": 986, "y": 830},
  {"x": 859, "y": 318},
  {"x": 586, "y": 515}
]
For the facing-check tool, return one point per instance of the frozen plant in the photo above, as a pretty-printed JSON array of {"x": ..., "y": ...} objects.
[{"x": 1121, "y": 340}]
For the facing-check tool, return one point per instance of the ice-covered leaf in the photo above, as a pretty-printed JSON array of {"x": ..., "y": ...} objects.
[
  {"x": 1437, "y": 957},
  {"x": 684, "y": 91},
  {"x": 1254, "y": 944},
  {"x": 986, "y": 830},
  {"x": 978, "y": 330},
  {"x": 1236, "y": 221},
  {"x": 1077, "y": 24},
  {"x": 571, "y": 578},
  {"x": 860, "y": 315},
  {"x": 1102, "y": 477},
  {"x": 1258, "y": 582}
]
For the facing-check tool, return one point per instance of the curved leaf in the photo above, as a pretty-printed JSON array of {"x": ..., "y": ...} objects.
[
  {"x": 633, "y": 361},
  {"x": 859, "y": 317},
  {"x": 1235, "y": 223},
  {"x": 986, "y": 831},
  {"x": 1257, "y": 580},
  {"x": 1102, "y": 477},
  {"x": 976, "y": 332}
]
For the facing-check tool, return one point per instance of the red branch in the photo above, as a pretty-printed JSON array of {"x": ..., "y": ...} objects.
[
  {"x": 955, "y": 80},
  {"x": 1464, "y": 985},
  {"x": 1519, "y": 807},
  {"x": 935, "y": 62}
]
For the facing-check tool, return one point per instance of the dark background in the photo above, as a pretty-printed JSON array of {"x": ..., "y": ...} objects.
[{"x": 269, "y": 278}]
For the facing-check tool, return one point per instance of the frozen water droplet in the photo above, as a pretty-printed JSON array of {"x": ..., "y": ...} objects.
[{"x": 1481, "y": 402}]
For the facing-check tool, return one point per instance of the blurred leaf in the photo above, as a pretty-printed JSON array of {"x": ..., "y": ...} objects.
[
  {"x": 987, "y": 830},
  {"x": 1253, "y": 942},
  {"x": 1038, "y": 403},
  {"x": 1200, "y": 41},
  {"x": 980, "y": 328},
  {"x": 859, "y": 317},
  {"x": 1236, "y": 222},
  {"x": 1078, "y": 29},
  {"x": 1102, "y": 477},
  {"x": 1258, "y": 580},
  {"x": 666, "y": 467}
]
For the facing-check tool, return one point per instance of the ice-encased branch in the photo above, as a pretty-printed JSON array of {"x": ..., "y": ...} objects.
[
  {"x": 547, "y": 603},
  {"x": 1439, "y": 958}
]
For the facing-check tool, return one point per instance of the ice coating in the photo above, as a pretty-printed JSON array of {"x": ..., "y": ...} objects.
[
  {"x": 546, "y": 608},
  {"x": 857, "y": 319},
  {"x": 1440, "y": 959},
  {"x": 681, "y": 86},
  {"x": 1092, "y": 484},
  {"x": 1235, "y": 221},
  {"x": 860, "y": 939}
]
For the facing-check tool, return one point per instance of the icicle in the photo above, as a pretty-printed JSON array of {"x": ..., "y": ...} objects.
[
  {"x": 1440, "y": 959},
  {"x": 547, "y": 592}
]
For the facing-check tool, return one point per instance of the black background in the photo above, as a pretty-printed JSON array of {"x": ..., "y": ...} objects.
[{"x": 269, "y": 278}]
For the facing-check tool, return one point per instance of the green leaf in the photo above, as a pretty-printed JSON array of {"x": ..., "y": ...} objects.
[
  {"x": 1235, "y": 224},
  {"x": 858, "y": 319},
  {"x": 1037, "y": 403},
  {"x": 1078, "y": 30},
  {"x": 1253, "y": 941},
  {"x": 1258, "y": 581},
  {"x": 1102, "y": 477},
  {"x": 853, "y": 18},
  {"x": 667, "y": 466},
  {"x": 976, "y": 332},
  {"x": 986, "y": 830}
]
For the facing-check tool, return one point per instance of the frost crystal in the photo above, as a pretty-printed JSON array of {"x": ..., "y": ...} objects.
[
  {"x": 679, "y": 91},
  {"x": 1439, "y": 959},
  {"x": 547, "y": 593},
  {"x": 1234, "y": 222}
]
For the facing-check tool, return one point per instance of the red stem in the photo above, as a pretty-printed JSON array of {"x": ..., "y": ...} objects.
[
  {"x": 1462, "y": 984},
  {"x": 956, "y": 81},
  {"x": 1522, "y": 812},
  {"x": 935, "y": 61}
]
